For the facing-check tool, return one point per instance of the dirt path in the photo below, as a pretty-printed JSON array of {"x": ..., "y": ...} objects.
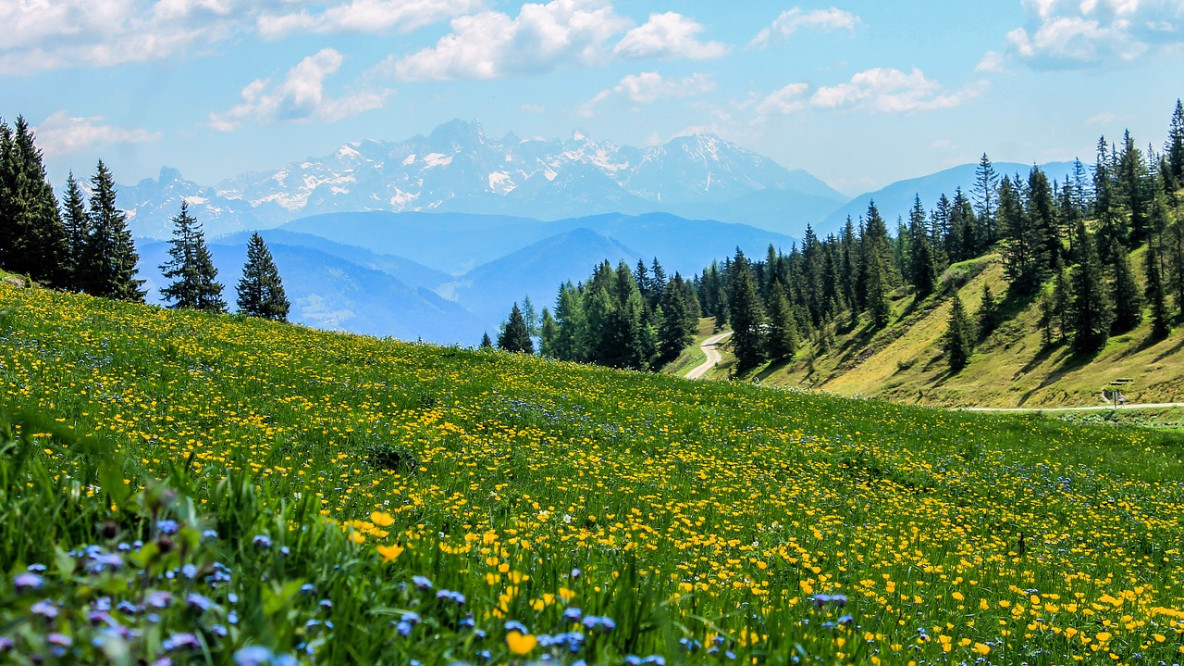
[
  {"x": 709, "y": 347},
  {"x": 1096, "y": 408}
]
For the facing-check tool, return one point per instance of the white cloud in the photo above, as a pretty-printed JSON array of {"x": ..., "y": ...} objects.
[
  {"x": 62, "y": 134},
  {"x": 790, "y": 21},
  {"x": 1077, "y": 33},
  {"x": 492, "y": 45},
  {"x": 1108, "y": 119},
  {"x": 365, "y": 16},
  {"x": 787, "y": 100},
  {"x": 534, "y": 109},
  {"x": 647, "y": 88},
  {"x": 300, "y": 97},
  {"x": 888, "y": 90},
  {"x": 992, "y": 61},
  {"x": 668, "y": 35}
]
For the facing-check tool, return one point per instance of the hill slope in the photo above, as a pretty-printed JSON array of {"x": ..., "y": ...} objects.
[{"x": 369, "y": 500}]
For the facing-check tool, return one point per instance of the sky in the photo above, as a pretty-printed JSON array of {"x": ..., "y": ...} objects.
[{"x": 858, "y": 93}]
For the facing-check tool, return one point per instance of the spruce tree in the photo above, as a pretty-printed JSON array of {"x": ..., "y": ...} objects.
[
  {"x": 1062, "y": 303},
  {"x": 744, "y": 312},
  {"x": 572, "y": 326},
  {"x": 988, "y": 313},
  {"x": 923, "y": 270},
  {"x": 677, "y": 326},
  {"x": 32, "y": 238},
  {"x": 1092, "y": 311},
  {"x": 986, "y": 182},
  {"x": 77, "y": 226},
  {"x": 514, "y": 336},
  {"x": 191, "y": 268},
  {"x": 1125, "y": 294},
  {"x": 1174, "y": 255},
  {"x": 782, "y": 340},
  {"x": 1174, "y": 150},
  {"x": 486, "y": 343},
  {"x": 1133, "y": 180},
  {"x": 547, "y": 334},
  {"x": 1153, "y": 290},
  {"x": 959, "y": 335},
  {"x": 1020, "y": 240},
  {"x": 109, "y": 256},
  {"x": 260, "y": 290}
]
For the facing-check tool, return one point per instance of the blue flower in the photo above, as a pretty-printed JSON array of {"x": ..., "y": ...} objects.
[
  {"x": 421, "y": 582},
  {"x": 27, "y": 581},
  {"x": 262, "y": 541},
  {"x": 167, "y": 527}
]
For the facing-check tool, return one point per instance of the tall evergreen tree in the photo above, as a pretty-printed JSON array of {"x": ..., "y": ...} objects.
[
  {"x": 782, "y": 339},
  {"x": 1128, "y": 301},
  {"x": 514, "y": 336},
  {"x": 191, "y": 268},
  {"x": 1133, "y": 180},
  {"x": 1174, "y": 150},
  {"x": 569, "y": 344},
  {"x": 547, "y": 334},
  {"x": 77, "y": 226},
  {"x": 1021, "y": 243},
  {"x": 109, "y": 257},
  {"x": 744, "y": 312},
  {"x": 1092, "y": 310},
  {"x": 32, "y": 238},
  {"x": 260, "y": 290},
  {"x": 676, "y": 328},
  {"x": 986, "y": 183},
  {"x": 486, "y": 343},
  {"x": 923, "y": 271},
  {"x": 988, "y": 313},
  {"x": 1153, "y": 290},
  {"x": 1174, "y": 251},
  {"x": 959, "y": 338},
  {"x": 1041, "y": 211}
]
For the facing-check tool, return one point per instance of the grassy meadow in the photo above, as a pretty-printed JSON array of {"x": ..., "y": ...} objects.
[{"x": 184, "y": 488}]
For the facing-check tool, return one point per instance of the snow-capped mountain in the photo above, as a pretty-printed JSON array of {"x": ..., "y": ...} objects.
[{"x": 457, "y": 168}]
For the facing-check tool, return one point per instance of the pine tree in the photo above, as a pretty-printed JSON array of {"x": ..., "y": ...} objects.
[
  {"x": 486, "y": 343},
  {"x": 569, "y": 316},
  {"x": 676, "y": 329},
  {"x": 547, "y": 334},
  {"x": 1062, "y": 303},
  {"x": 1041, "y": 211},
  {"x": 530, "y": 316},
  {"x": 109, "y": 256},
  {"x": 959, "y": 336},
  {"x": 986, "y": 182},
  {"x": 1133, "y": 179},
  {"x": 744, "y": 311},
  {"x": 514, "y": 336},
  {"x": 1174, "y": 251},
  {"x": 191, "y": 268},
  {"x": 923, "y": 271},
  {"x": 1153, "y": 290},
  {"x": 32, "y": 238},
  {"x": 1174, "y": 150},
  {"x": 1128, "y": 301},
  {"x": 77, "y": 226},
  {"x": 782, "y": 340},
  {"x": 260, "y": 290},
  {"x": 988, "y": 313},
  {"x": 1092, "y": 311}
]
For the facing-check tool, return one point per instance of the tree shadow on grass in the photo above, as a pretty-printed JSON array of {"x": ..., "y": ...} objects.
[{"x": 1072, "y": 363}]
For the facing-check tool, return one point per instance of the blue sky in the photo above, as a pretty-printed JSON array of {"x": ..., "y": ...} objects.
[{"x": 858, "y": 93}]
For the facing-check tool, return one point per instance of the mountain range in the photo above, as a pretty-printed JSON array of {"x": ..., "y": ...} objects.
[{"x": 458, "y": 169}]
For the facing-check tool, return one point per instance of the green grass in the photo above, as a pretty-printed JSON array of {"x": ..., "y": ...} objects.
[{"x": 139, "y": 441}]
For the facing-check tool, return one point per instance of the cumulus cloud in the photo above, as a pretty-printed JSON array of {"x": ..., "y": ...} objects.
[
  {"x": 1078, "y": 33},
  {"x": 888, "y": 90},
  {"x": 62, "y": 134},
  {"x": 492, "y": 45},
  {"x": 794, "y": 19},
  {"x": 52, "y": 34},
  {"x": 878, "y": 90},
  {"x": 300, "y": 97},
  {"x": 668, "y": 35},
  {"x": 364, "y": 16},
  {"x": 647, "y": 88}
]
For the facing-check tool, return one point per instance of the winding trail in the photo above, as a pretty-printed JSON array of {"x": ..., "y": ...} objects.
[{"x": 709, "y": 347}]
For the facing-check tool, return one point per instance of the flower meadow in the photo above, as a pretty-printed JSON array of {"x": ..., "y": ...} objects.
[{"x": 185, "y": 488}]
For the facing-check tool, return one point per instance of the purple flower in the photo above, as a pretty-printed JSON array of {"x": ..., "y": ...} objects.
[
  {"x": 6, "y": 645},
  {"x": 262, "y": 541},
  {"x": 421, "y": 582},
  {"x": 45, "y": 608},
  {"x": 198, "y": 602},
  {"x": 159, "y": 599},
  {"x": 182, "y": 641},
  {"x": 27, "y": 581}
]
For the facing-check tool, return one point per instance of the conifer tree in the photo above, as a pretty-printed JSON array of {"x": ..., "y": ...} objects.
[
  {"x": 959, "y": 336},
  {"x": 1153, "y": 290},
  {"x": 1062, "y": 303},
  {"x": 1174, "y": 150},
  {"x": 657, "y": 284},
  {"x": 547, "y": 334},
  {"x": 1021, "y": 244},
  {"x": 191, "y": 268},
  {"x": 744, "y": 312},
  {"x": 486, "y": 343},
  {"x": 923, "y": 271},
  {"x": 782, "y": 340},
  {"x": 109, "y": 256},
  {"x": 876, "y": 292},
  {"x": 569, "y": 343},
  {"x": 1174, "y": 251},
  {"x": 988, "y": 313},
  {"x": 77, "y": 226},
  {"x": 260, "y": 290},
  {"x": 1092, "y": 311},
  {"x": 530, "y": 316},
  {"x": 986, "y": 182},
  {"x": 32, "y": 238},
  {"x": 676, "y": 329},
  {"x": 1128, "y": 301},
  {"x": 1133, "y": 180},
  {"x": 514, "y": 336}
]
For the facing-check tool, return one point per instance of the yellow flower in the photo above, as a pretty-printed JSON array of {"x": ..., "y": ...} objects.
[
  {"x": 982, "y": 649},
  {"x": 390, "y": 552},
  {"x": 382, "y": 519},
  {"x": 519, "y": 643},
  {"x": 357, "y": 537}
]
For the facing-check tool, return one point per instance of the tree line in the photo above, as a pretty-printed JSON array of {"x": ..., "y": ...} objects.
[
  {"x": 1066, "y": 245},
  {"x": 618, "y": 317},
  {"x": 84, "y": 244}
]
